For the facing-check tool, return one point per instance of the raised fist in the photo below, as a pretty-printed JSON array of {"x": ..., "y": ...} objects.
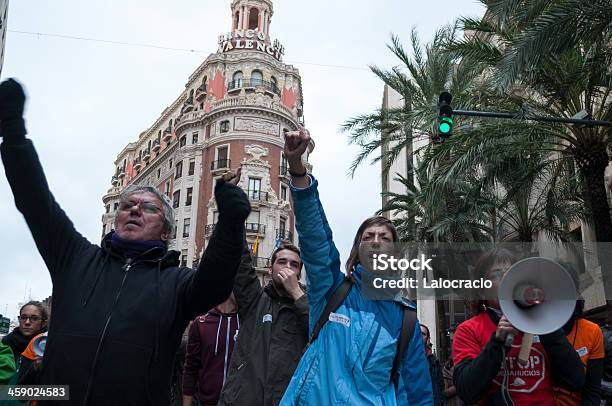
[
  {"x": 232, "y": 202},
  {"x": 296, "y": 143},
  {"x": 12, "y": 100}
]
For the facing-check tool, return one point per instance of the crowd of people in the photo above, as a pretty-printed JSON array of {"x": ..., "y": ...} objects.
[{"x": 121, "y": 310}]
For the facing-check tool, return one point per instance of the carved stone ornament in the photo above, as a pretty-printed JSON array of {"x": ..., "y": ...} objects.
[
  {"x": 257, "y": 125},
  {"x": 256, "y": 152}
]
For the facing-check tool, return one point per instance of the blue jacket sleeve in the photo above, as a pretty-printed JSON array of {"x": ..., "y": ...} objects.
[
  {"x": 415, "y": 380},
  {"x": 318, "y": 252}
]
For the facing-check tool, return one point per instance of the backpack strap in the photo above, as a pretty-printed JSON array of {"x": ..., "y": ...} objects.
[
  {"x": 333, "y": 304},
  {"x": 408, "y": 324}
]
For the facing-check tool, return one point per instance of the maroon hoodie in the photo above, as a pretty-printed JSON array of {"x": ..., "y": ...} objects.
[{"x": 209, "y": 347}]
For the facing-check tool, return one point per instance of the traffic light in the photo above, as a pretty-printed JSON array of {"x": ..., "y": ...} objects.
[{"x": 445, "y": 115}]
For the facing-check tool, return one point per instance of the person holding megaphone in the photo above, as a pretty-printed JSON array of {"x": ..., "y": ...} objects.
[{"x": 488, "y": 370}]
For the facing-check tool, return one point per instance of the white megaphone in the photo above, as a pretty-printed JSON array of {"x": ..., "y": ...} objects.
[
  {"x": 39, "y": 344},
  {"x": 537, "y": 296}
]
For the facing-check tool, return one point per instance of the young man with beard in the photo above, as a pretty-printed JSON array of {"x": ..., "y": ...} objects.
[{"x": 273, "y": 330}]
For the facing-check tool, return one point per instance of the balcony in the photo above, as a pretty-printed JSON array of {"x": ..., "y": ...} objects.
[
  {"x": 257, "y": 195},
  {"x": 208, "y": 229},
  {"x": 284, "y": 235},
  {"x": 156, "y": 145},
  {"x": 201, "y": 93},
  {"x": 137, "y": 164},
  {"x": 284, "y": 171},
  {"x": 253, "y": 83},
  {"x": 115, "y": 180},
  {"x": 261, "y": 262},
  {"x": 168, "y": 135},
  {"x": 220, "y": 164},
  {"x": 188, "y": 106},
  {"x": 255, "y": 228},
  {"x": 121, "y": 173},
  {"x": 146, "y": 156}
]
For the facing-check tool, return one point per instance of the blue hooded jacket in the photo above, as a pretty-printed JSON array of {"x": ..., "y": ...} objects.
[{"x": 350, "y": 362}]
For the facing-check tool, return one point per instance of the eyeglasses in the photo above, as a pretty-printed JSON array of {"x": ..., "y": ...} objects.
[
  {"x": 33, "y": 319},
  {"x": 147, "y": 207}
]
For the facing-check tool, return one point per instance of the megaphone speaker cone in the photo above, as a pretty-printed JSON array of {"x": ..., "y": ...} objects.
[{"x": 537, "y": 295}]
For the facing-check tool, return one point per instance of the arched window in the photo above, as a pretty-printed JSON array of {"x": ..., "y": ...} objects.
[
  {"x": 236, "y": 19},
  {"x": 253, "y": 18},
  {"x": 256, "y": 78},
  {"x": 204, "y": 83},
  {"x": 273, "y": 84},
  {"x": 190, "y": 99},
  {"x": 237, "y": 80},
  {"x": 170, "y": 125}
]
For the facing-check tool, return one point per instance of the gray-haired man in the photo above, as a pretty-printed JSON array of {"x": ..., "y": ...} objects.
[{"x": 119, "y": 309}]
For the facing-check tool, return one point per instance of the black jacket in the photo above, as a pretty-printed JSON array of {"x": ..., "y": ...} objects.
[
  {"x": 273, "y": 333},
  {"x": 116, "y": 325}
]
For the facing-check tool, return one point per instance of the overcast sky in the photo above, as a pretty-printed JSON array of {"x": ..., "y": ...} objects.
[{"x": 87, "y": 100}]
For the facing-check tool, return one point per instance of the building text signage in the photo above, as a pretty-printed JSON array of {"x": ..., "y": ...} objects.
[{"x": 250, "y": 39}]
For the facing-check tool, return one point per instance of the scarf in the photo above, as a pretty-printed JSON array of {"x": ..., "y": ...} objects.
[{"x": 132, "y": 249}]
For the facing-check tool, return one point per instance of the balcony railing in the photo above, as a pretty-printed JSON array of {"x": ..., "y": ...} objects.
[
  {"x": 137, "y": 164},
  {"x": 255, "y": 228},
  {"x": 188, "y": 106},
  {"x": 220, "y": 164},
  {"x": 121, "y": 173},
  {"x": 284, "y": 171},
  {"x": 115, "y": 180},
  {"x": 246, "y": 83},
  {"x": 146, "y": 156},
  {"x": 208, "y": 229},
  {"x": 201, "y": 93},
  {"x": 168, "y": 135},
  {"x": 156, "y": 146},
  {"x": 284, "y": 235},
  {"x": 258, "y": 195},
  {"x": 261, "y": 262}
]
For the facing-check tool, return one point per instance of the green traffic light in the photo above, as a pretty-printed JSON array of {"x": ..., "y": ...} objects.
[{"x": 446, "y": 125}]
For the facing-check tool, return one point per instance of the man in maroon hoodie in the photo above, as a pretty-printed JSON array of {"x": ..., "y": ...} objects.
[{"x": 209, "y": 348}]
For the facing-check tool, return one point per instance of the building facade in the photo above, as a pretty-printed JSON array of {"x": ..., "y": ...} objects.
[
  {"x": 3, "y": 27},
  {"x": 232, "y": 113}
]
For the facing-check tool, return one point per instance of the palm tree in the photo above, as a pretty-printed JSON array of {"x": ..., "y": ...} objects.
[{"x": 513, "y": 43}]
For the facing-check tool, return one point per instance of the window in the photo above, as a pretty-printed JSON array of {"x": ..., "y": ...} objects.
[
  {"x": 207, "y": 131},
  {"x": 176, "y": 199},
  {"x": 273, "y": 84},
  {"x": 186, "y": 226},
  {"x": 281, "y": 228},
  {"x": 254, "y": 188},
  {"x": 115, "y": 206},
  {"x": 256, "y": 78},
  {"x": 283, "y": 192},
  {"x": 189, "y": 196},
  {"x": 174, "y": 229},
  {"x": 237, "y": 80},
  {"x": 170, "y": 124},
  {"x": 253, "y": 18},
  {"x": 179, "y": 170},
  {"x": 191, "y": 167},
  {"x": 184, "y": 258},
  {"x": 167, "y": 188},
  {"x": 108, "y": 208},
  {"x": 224, "y": 126},
  {"x": 236, "y": 20},
  {"x": 170, "y": 163},
  {"x": 183, "y": 141},
  {"x": 159, "y": 173},
  {"x": 194, "y": 138},
  {"x": 222, "y": 154}
]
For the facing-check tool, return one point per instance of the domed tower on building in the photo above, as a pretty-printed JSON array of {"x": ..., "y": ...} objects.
[{"x": 232, "y": 113}]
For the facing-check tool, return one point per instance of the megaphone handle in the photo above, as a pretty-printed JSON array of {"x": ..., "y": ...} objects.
[
  {"x": 509, "y": 339},
  {"x": 526, "y": 344}
]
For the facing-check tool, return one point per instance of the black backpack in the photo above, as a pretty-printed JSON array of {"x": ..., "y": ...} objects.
[{"x": 334, "y": 302}]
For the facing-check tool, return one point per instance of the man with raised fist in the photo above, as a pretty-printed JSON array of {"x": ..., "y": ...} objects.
[{"x": 119, "y": 309}]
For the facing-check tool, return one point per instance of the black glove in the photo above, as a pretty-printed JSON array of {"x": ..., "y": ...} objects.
[
  {"x": 232, "y": 202},
  {"x": 12, "y": 100}
]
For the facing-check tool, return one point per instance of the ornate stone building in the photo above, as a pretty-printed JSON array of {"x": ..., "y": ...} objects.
[{"x": 232, "y": 114}]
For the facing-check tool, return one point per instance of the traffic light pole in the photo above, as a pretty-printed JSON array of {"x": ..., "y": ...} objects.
[{"x": 518, "y": 116}]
